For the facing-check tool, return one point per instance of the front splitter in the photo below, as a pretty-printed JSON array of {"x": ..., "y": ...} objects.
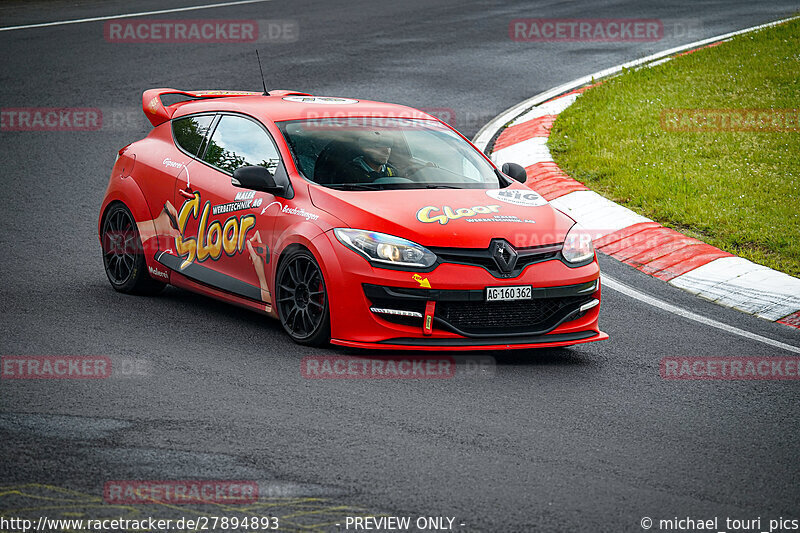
[{"x": 467, "y": 344}]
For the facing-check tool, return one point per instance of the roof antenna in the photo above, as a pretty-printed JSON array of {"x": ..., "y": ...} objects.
[{"x": 266, "y": 93}]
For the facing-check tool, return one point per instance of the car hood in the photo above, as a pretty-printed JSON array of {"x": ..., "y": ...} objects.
[{"x": 464, "y": 218}]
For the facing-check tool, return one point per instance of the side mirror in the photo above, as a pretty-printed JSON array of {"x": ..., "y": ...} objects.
[
  {"x": 515, "y": 171},
  {"x": 256, "y": 178}
]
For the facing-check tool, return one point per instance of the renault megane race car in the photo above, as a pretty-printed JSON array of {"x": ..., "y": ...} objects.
[{"x": 359, "y": 223}]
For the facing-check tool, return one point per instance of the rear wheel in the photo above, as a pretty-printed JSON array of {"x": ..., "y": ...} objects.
[
  {"x": 302, "y": 299},
  {"x": 123, "y": 257}
]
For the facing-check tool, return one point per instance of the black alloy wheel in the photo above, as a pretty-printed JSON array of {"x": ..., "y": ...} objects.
[
  {"x": 302, "y": 300},
  {"x": 123, "y": 257}
]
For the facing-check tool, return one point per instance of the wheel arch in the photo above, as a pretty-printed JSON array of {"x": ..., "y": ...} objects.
[
  {"x": 127, "y": 192},
  {"x": 322, "y": 334}
]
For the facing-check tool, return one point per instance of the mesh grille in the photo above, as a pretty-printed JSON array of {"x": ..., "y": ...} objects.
[{"x": 506, "y": 317}]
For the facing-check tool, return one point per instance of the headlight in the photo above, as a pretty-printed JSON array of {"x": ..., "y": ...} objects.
[
  {"x": 578, "y": 246},
  {"x": 388, "y": 249}
]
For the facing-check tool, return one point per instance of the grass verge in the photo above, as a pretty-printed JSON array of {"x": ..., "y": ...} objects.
[{"x": 737, "y": 190}]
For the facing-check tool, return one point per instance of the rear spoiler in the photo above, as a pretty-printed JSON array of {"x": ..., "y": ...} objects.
[{"x": 157, "y": 113}]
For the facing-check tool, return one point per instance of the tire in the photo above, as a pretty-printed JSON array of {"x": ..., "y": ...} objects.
[
  {"x": 123, "y": 256},
  {"x": 302, "y": 299}
]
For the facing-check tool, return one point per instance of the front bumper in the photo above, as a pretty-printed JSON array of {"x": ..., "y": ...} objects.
[{"x": 445, "y": 309}]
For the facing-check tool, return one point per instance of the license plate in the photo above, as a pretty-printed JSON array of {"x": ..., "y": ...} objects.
[{"x": 505, "y": 294}]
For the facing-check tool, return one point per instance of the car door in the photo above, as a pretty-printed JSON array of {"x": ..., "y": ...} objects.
[
  {"x": 162, "y": 160},
  {"x": 225, "y": 240}
]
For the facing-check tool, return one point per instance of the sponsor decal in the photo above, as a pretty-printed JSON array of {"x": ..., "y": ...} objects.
[
  {"x": 430, "y": 213},
  {"x": 502, "y": 218},
  {"x": 221, "y": 209},
  {"x": 212, "y": 237},
  {"x": 430, "y": 309},
  {"x": 169, "y": 163},
  {"x": 153, "y": 105},
  {"x": 517, "y": 197},
  {"x": 231, "y": 93},
  {"x": 320, "y": 100},
  {"x": 423, "y": 282},
  {"x": 298, "y": 211},
  {"x": 157, "y": 272},
  {"x": 245, "y": 195}
]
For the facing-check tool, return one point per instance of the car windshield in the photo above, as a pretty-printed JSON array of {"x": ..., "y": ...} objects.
[{"x": 386, "y": 153}]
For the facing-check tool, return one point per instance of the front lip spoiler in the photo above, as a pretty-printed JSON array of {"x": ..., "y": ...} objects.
[
  {"x": 532, "y": 339},
  {"x": 545, "y": 341}
]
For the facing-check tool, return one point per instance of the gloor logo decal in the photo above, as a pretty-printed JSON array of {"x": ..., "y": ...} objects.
[{"x": 212, "y": 238}]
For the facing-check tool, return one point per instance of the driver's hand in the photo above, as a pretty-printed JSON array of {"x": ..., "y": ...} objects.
[{"x": 414, "y": 166}]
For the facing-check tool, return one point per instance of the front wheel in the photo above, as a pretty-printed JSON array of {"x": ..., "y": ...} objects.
[
  {"x": 123, "y": 257},
  {"x": 302, "y": 299}
]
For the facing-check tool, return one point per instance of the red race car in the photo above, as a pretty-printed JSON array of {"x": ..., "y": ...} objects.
[{"x": 358, "y": 223}]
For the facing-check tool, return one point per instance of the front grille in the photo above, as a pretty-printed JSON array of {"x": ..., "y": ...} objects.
[
  {"x": 523, "y": 316},
  {"x": 482, "y": 257}
]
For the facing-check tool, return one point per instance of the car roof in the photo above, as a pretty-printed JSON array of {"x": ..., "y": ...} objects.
[{"x": 294, "y": 106}]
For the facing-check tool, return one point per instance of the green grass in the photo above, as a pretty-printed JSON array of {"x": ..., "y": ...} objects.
[{"x": 739, "y": 191}]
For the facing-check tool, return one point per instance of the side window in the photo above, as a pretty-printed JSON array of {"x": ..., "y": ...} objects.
[
  {"x": 238, "y": 142},
  {"x": 189, "y": 132}
]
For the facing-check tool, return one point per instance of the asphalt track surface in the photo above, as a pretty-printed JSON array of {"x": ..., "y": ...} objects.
[{"x": 582, "y": 439}]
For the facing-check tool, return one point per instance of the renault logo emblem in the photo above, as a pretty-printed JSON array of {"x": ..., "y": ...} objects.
[{"x": 504, "y": 255}]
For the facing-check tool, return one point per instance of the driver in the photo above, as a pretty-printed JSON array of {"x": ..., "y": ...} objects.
[{"x": 375, "y": 148}]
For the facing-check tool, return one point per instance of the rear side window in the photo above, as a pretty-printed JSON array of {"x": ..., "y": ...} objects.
[
  {"x": 238, "y": 142},
  {"x": 189, "y": 132}
]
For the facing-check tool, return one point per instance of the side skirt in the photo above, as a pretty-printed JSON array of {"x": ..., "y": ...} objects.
[{"x": 215, "y": 284}]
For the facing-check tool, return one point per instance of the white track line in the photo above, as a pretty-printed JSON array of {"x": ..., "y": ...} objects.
[
  {"x": 618, "y": 286},
  {"x": 130, "y": 15}
]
